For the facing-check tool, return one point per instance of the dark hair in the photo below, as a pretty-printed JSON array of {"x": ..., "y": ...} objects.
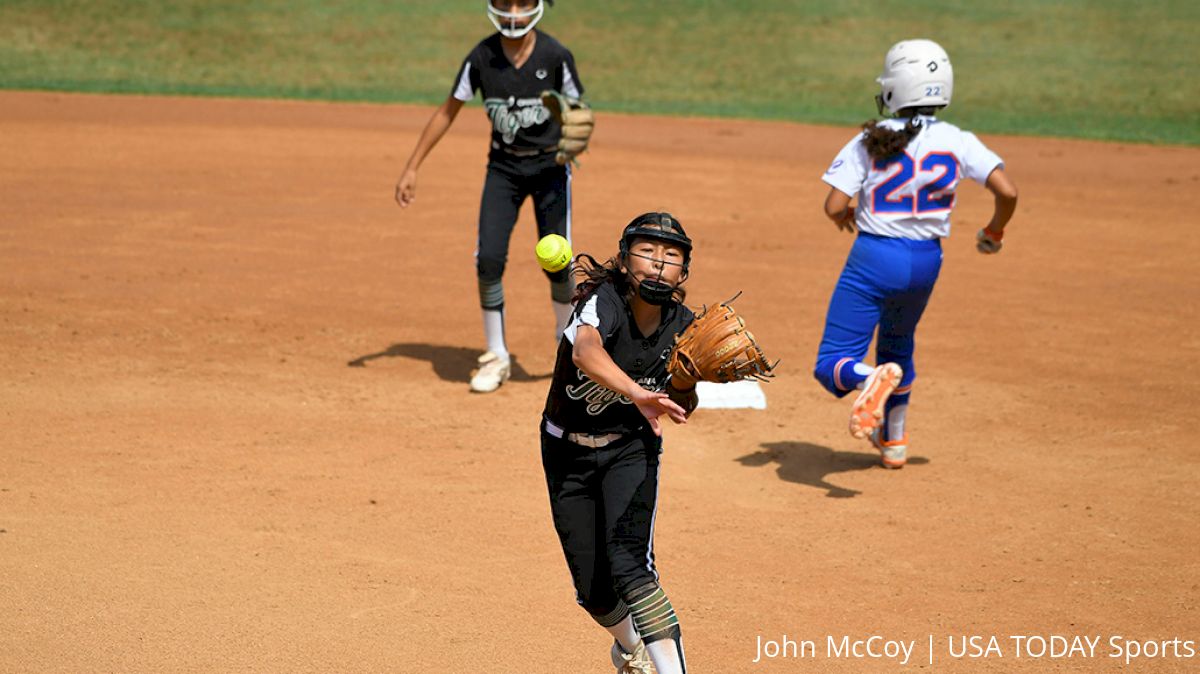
[
  {"x": 882, "y": 142},
  {"x": 591, "y": 274}
]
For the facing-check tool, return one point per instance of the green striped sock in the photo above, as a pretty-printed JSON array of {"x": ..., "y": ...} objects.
[
  {"x": 613, "y": 617},
  {"x": 653, "y": 614}
]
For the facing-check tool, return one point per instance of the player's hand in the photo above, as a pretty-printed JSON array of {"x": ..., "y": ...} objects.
[
  {"x": 653, "y": 405},
  {"x": 989, "y": 242},
  {"x": 406, "y": 189},
  {"x": 846, "y": 223}
]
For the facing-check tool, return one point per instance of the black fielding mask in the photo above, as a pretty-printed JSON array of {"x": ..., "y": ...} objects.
[
  {"x": 655, "y": 292},
  {"x": 657, "y": 227}
]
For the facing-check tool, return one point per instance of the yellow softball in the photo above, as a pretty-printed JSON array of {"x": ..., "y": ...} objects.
[{"x": 553, "y": 252}]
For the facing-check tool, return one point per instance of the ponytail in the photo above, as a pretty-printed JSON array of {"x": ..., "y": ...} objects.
[{"x": 882, "y": 142}]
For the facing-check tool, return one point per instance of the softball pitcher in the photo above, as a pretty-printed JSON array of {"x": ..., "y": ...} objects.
[
  {"x": 904, "y": 172},
  {"x": 511, "y": 67},
  {"x": 601, "y": 437}
]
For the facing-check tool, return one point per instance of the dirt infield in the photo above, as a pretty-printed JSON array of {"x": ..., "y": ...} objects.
[{"x": 235, "y": 433}]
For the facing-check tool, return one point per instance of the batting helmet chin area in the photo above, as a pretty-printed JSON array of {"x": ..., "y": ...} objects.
[
  {"x": 916, "y": 74},
  {"x": 658, "y": 227},
  {"x": 506, "y": 22}
]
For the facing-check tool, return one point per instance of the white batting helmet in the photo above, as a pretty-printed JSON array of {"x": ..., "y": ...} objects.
[
  {"x": 916, "y": 74},
  {"x": 506, "y": 22}
]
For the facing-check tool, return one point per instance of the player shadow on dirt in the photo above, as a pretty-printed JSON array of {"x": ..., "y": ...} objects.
[
  {"x": 809, "y": 464},
  {"x": 450, "y": 363}
]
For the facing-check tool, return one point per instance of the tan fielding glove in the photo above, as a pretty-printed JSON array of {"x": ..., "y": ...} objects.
[
  {"x": 717, "y": 347},
  {"x": 577, "y": 122}
]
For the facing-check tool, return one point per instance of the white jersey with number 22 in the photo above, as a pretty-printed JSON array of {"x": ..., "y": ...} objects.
[{"x": 911, "y": 195}]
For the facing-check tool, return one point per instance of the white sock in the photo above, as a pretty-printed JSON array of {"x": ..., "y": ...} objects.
[
  {"x": 625, "y": 634},
  {"x": 667, "y": 655},
  {"x": 493, "y": 329},
  {"x": 562, "y": 316},
  {"x": 895, "y": 421},
  {"x": 863, "y": 370}
]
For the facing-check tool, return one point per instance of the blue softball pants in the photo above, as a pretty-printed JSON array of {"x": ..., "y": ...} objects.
[{"x": 885, "y": 284}]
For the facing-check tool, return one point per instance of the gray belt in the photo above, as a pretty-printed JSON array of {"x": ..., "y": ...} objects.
[{"x": 582, "y": 439}]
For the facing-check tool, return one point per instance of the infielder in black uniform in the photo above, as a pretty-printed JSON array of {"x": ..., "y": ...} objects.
[
  {"x": 511, "y": 67},
  {"x": 601, "y": 436}
]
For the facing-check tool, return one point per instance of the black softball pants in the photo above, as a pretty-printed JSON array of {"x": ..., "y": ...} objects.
[
  {"x": 509, "y": 182},
  {"x": 603, "y": 501}
]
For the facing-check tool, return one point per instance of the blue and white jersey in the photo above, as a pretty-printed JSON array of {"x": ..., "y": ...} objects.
[{"x": 911, "y": 195}]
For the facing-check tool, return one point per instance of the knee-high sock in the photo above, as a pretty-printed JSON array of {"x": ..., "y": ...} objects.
[
  {"x": 562, "y": 316},
  {"x": 895, "y": 422},
  {"x": 655, "y": 620},
  {"x": 493, "y": 329},
  {"x": 897, "y": 413},
  {"x": 860, "y": 372},
  {"x": 667, "y": 655}
]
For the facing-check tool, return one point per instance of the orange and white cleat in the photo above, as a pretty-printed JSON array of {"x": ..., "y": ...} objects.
[
  {"x": 867, "y": 412},
  {"x": 894, "y": 452}
]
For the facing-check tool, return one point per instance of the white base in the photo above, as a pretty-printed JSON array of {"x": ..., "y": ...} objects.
[{"x": 734, "y": 395}]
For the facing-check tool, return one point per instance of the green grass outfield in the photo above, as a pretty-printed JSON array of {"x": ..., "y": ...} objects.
[{"x": 1107, "y": 69}]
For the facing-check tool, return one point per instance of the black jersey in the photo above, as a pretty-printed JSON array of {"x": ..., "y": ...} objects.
[
  {"x": 511, "y": 96},
  {"x": 580, "y": 405}
]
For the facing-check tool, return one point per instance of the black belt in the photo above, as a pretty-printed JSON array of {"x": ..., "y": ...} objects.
[{"x": 528, "y": 153}]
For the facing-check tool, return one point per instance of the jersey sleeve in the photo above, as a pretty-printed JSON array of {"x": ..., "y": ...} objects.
[
  {"x": 598, "y": 311},
  {"x": 686, "y": 317},
  {"x": 977, "y": 160},
  {"x": 467, "y": 81},
  {"x": 849, "y": 169},
  {"x": 570, "y": 85}
]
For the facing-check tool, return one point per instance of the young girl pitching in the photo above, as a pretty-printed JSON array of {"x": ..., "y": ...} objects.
[
  {"x": 601, "y": 437},
  {"x": 903, "y": 172}
]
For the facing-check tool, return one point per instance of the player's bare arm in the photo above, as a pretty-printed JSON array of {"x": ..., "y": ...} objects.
[
  {"x": 839, "y": 210},
  {"x": 990, "y": 239},
  {"x": 439, "y": 123},
  {"x": 1005, "y": 192},
  {"x": 590, "y": 356}
]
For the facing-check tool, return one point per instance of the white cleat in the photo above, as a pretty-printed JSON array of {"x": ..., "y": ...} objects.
[
  {"x": 637, "y": 662},
  {"x": 493, "y": 371}
]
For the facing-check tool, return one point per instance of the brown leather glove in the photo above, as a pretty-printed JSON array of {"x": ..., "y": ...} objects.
[
  {"x": 577, "y": 122},
  {"x": 717, "y": 347}
]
